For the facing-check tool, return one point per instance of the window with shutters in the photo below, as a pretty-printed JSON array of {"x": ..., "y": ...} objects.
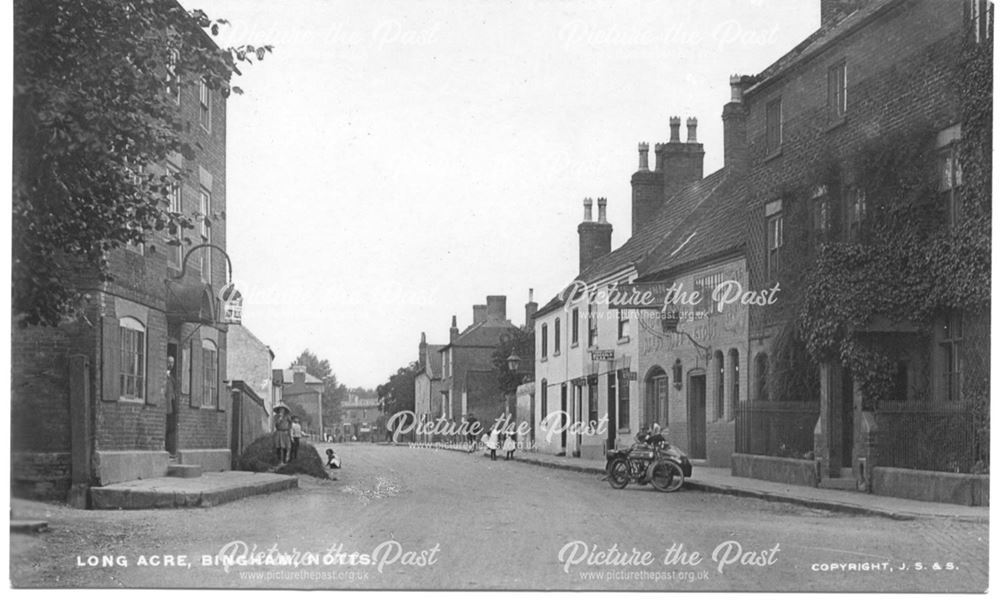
[
  {"x": 980, "y": 20},
  {"x": 210, "y": 374},
  {"x": 575, "y": 327},
  {"x": 132, "y": 360},
  {"x": 545, "y": 341},
  {"x": 775, "y": 241},
  {"x": 591, "y": 326}
]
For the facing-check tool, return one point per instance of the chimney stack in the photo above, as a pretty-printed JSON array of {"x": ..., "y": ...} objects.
[
  {"x": 453, "y": 332},
  {"x": 530, "y": 308},
  {"x": 675, "y": 129},
  {"x": 478, "y": 314},
  {"x": 692, "y": 124},
  {"x": 423, "y": 349},
  {"x": 496, "y": 308},
  {"x": 643, "y": 156},
  {"x": 595, "y": 237},
  {"x": 734, "y": 127},
  {"x": 833, "y": 11}
]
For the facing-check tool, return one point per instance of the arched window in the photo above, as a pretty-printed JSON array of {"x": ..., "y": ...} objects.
[
  {"x": 132, "y": 365},
  {"x": 720, "y": 386},
  {"x": 734, "y": 375},
  {"x": 210, "y": 374},
  {"x": 760, "y": 374}
]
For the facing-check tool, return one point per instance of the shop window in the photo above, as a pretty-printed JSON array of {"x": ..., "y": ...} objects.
[
  {"x": 132, "y": 363},
  {"x": 210, "y": 374}
]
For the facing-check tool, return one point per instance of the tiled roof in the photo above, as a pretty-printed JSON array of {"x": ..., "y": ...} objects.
[
  {"x": 716, "y": 226},
  {"x": 673, "y": 211},
  {"x": 432, "y": 361}
]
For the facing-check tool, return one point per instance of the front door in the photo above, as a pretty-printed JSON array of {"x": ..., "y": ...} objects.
[
  {"x": 696, "y": 416},
  {"x": 577, "y": 418}
]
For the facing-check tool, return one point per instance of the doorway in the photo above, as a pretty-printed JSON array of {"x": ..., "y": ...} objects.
[
  {"x": 847, "y": 421},
  {"x": 696, "y": 416},
  {"x": 564, "y": 418},
  {"x": 612, "y": 411},
  {"x": 172, "y": 401}
]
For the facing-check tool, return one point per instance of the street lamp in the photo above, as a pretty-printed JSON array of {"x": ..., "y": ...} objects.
[{"x": 513, "y": 361}]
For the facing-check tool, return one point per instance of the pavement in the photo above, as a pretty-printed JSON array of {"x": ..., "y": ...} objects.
[
  {"x": 209, "y": 489},
  {"x": 720, "y": 480}
]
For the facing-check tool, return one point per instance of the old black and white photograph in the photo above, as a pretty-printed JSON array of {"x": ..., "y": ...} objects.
[{"x": 501, "y": 295}]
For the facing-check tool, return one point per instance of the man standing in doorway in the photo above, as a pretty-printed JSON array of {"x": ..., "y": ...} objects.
[{"x": 171, "y": 391}]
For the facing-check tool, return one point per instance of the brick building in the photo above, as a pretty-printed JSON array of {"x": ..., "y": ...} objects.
[
  {"x": 359, "y": 416},
  {"x": 89, "y": 397},
  {"x": 874, "y": 72},
  {"x": 468, "y": 381},
  {"x": 303, "y": 394}
]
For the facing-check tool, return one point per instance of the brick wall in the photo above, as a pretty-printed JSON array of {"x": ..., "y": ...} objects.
[{"x": 899, "y": 76}]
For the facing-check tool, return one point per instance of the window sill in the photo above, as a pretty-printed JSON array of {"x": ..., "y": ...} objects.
[
  {"x": 207, "y": 408},
  {"x": 624, "y": 340},
  {"x": 574, "y": 345},
  {"x": 836, "y": 123},
  {"x": 544, "y": 359},
  {"x": 134, "y": 400},
  {"x": 624, "y": 431},
  {"x": 774, "y": 155},
  {"x": 557, "y": 354}
]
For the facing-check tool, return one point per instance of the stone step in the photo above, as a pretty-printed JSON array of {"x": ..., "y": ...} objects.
[
  {"x": 841, "y": 483},
  {"x": 212, "y": 489},
  {"x": 184, "y": 471}
]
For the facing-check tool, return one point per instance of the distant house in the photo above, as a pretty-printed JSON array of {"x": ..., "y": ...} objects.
[
  {"x": 427, "y": 383},
  {"x": 303, "y": 392},
  {"x": 359, "y": 417}
]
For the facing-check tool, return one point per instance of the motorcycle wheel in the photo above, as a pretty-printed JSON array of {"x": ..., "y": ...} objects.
[
  {"x": 618, "y": 474},
  {"x": 666, "y": 476}
]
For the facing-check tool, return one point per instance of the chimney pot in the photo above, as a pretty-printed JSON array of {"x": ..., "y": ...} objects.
[
  {"x": 588, "y": 209},
  {"x": 643, "y": 156},
  {"x": 675, "y": 129},
  {"x": 602, "y": 210},
  {"x": 692, "y": 124},
  {"x": 736, "y": 88}
]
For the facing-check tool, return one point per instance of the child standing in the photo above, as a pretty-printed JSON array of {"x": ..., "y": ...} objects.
[
  {"x": 493, "y": 442},
  {"x": 282, "y": 438},
  {"x": 509, "y": 445},
  {"x": 296, "y": 436}
]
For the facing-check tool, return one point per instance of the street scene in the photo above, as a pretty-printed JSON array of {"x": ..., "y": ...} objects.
[
  {"x": 508, "y": 532},
  {"x": 657, "y": 296}
]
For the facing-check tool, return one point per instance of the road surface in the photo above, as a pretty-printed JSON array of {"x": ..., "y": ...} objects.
[{"x": 434, "y": 519}]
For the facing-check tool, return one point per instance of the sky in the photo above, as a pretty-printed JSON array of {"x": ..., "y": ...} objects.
[{"x": 394, "y": 162}]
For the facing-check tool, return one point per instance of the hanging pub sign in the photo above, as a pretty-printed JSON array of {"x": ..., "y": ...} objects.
[{"x": 231, "y": 306}]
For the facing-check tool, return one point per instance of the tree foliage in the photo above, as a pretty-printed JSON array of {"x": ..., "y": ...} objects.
[
  {"x": 91, "y": 112},
  {"x": 519, "y": 341},
  {"x": 397, "y": 394}
]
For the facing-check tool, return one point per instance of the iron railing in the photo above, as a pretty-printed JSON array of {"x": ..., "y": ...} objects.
[
  {"x": 949, "y": 437},
  {"x": 769, "y": 428}
]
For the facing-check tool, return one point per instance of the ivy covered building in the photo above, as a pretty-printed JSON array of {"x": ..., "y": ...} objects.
[{"x": 868, "y": 199}]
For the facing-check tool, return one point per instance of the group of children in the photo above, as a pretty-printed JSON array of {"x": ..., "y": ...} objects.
[
  {"x": 287, "y": 434},
  {"x": 500, "y": 440}
]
